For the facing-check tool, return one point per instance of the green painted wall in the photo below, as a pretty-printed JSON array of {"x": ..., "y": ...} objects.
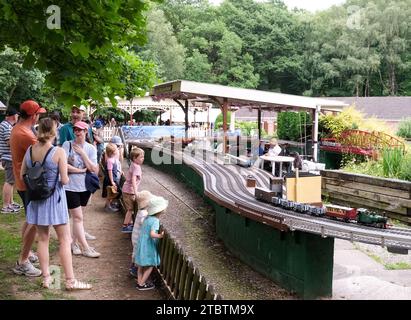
[{"x": 298, "y": 261}]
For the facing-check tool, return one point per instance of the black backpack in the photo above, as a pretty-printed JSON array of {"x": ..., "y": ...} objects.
[{"x": 36, "y": 180}]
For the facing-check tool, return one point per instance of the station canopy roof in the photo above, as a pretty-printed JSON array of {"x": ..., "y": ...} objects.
[
  {"x": 239, "y": 97},
  {"x": 141, "y": 103}
]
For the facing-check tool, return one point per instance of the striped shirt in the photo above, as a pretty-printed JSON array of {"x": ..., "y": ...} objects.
[{"x": 5, "y": 130}]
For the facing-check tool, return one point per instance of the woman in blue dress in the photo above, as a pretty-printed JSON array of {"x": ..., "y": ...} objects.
[
  {"x": 53, "y": 210},
  {"x": 146, "y": 253}
]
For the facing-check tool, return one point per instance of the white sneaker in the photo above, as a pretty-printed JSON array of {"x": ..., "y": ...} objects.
[
  {"x": 89, "y": 236},
  {"x": 26, "y": 269},
  {"x": 75, "y": 248},
  {"x": 91, "y": 253}
]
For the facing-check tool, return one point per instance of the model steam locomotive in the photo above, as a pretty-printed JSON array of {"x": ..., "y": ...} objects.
[{"x": 346, "y": 214}]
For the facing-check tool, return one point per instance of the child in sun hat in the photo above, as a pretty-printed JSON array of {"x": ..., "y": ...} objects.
[
  {"x": 143, "y": 199},
  {"x": 146, "y": 254}
]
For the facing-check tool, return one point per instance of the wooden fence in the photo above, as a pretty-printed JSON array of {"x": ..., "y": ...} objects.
[
  {"x": 182, "y": 280},
  {"x": 388, "y": 196}
]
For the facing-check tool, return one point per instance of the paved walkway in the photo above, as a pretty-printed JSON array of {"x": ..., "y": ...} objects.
[{"x": 357, "y": 276}]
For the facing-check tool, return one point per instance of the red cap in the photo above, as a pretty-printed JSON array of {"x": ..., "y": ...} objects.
[{"x": 31, "y": 107}]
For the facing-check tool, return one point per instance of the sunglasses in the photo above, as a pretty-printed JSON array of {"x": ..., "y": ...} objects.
[{"x": 78, "y": 129}]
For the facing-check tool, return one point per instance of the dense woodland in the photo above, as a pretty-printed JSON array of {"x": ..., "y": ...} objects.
[{"x": 361, "y": 48}]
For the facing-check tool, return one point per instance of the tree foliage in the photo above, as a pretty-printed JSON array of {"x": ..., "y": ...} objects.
[
  {"x": 350, "y": 118},
  {"x": 360, "y": 48},
  {"x": 163, "y": 48},
  {"x": 18, "y": 84},
  {"x": 294, "y": 126},
  {"x": 84, "y": 57}
]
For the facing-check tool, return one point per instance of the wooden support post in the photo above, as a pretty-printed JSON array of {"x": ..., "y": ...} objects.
[
  {"x": 315, "y": 133},
  {"x": 186, "y": 118},
  {"x": 185, "y": 109},
  {"x": 296, "y": 184},
  {"x": 259, "y": 124},
  {"x": 225, "y": 110}
]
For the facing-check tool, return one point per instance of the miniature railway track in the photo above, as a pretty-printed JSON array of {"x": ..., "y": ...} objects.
[{"x": 226, "y": 185}]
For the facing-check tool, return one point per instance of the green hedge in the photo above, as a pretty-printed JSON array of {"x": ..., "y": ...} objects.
[{"x": 294, "y": 125}]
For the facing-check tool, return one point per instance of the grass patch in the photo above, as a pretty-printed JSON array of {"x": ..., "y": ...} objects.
[
  {"x": 13, "y": 286},
  {"x": 9, "y": 246},
  {"x": 398, "y": 266},
  {"x": 398, "y": 223},
  {"x": 55, "y": 295},
  {"x": 376, "y": 258}
]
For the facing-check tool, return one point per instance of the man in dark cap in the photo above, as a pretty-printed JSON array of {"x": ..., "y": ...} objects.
[{"x": 6, "y": 161}]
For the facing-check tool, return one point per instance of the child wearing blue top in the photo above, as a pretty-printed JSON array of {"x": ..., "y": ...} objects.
[{"x": 146, "y": 254}]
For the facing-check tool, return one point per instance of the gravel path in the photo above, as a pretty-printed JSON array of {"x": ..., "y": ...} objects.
[{"x": 195, "y": 232}]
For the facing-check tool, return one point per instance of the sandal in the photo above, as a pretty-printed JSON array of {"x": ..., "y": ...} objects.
[
  {"x": 47, "y": 282},
  {"x": 75, "y": 284}
]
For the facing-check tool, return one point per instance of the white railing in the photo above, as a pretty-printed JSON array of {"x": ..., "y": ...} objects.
[
  {"x": 199, "y": 132},
  {"x": 108, "y": 132}
]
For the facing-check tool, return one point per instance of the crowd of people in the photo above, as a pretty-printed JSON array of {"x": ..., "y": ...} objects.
[{"x": 67, "y": 155}]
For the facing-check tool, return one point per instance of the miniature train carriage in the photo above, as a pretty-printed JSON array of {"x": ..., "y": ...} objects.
[
  {"x": 287, "y": 204},
  {"x": 263, "y": 194},
  {"x": 302, "y": 208},
  {"x": 339, "y": 212},
  {"x": 370, "y": 218},
  {"x": 276, "y": 201},
  {"x": 317, "y": 211}
]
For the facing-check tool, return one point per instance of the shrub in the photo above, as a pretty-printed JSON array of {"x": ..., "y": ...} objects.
[
  {"x": 405, "y": 172},
  {"x": 391, "y": 162},
  {"x": 349, "y": 118},
  {"x": 404, "y": 129},
  {"x": 219, "y": 120},
  {"x": 294, "y": 126}
]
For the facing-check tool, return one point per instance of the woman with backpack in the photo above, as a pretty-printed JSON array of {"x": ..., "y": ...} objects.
[{"x": 51, "y": 210}]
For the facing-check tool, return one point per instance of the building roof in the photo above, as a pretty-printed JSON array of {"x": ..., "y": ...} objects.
[
  {"x": 385, "y": 108},
  {"x": 2, "y": 106},
  {"x": 239, "y": 97},
  {"x": 247, "y": 114}
]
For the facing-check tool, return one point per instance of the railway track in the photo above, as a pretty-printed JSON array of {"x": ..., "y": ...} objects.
[{"x": 226, "y": 184}]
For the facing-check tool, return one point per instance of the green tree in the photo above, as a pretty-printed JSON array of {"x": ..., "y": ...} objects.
[
  {"x": 272, "y": 36},
  {"x": 18, "y": 84},
  {"x": 198, "y": 68},
  {"x": 83, "y": 58},
  {"x": 163, "y": 48}
]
